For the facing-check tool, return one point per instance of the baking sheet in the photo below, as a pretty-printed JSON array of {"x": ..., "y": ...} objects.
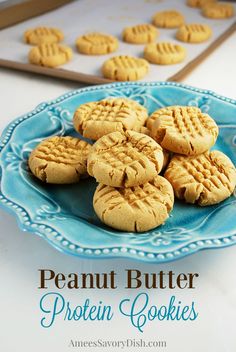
[{"x": 83, "y": 16}]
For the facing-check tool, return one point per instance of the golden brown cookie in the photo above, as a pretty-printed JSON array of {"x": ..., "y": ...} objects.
[
  {"x": 184, "y": 130},
  {"x": 199, "y": 3},
  {"x": 96, "y": 44},
  {"x": 60, "y": 160},
  {"x": 194, "y": 33},
  {"x": 143, "y": 130},
  {"x": 50, "y": 55},
  {"x": 205, "y": 179},
  {"x": 140, "y": 34},
  {"x": 167, "y": 156},
  {"x": 164, "y": 53},
  {"x": 162, "y": 111},
  {"x": 43, "y": 35},
  {"x": 140, "y": 110},
  {"x": 125, "y": 68},
  {"x": 218, "y": 10},
  {"x": 135, "y": 209},
  {"x": 125, "y": 159},
  {"x": 96, "y": 119},
  {"x": 152, "y": 117},
  {"x": 168, "y": 19}
]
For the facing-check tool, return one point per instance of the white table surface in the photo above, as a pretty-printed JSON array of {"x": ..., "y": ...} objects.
[{"x": 22, "y": 254}]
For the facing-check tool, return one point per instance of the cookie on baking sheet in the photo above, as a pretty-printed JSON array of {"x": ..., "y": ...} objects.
[
  {"x": 50, "y": 55},
  {"x": 96, "y": 119},
  {"x": 194, "y": 33},
  {"x": 125, "y": 68},
  {"x": 60, "y": 160},
  {"x": 135, "y": 209},
  {"x": 205, "y": 179},
  {"x": 140, "y": 34},
  {"x": 96, "y": 44},
  {"x": 164, "y": 53},
  {"x": 43, "y": 35},
  {"x": 218, "y": 10},
  {"x": 184, "y": 130},
  {"x": 199, "y": 3},
  {"x": 125, "y": 159},
  {"x": 168, "y": 19}
]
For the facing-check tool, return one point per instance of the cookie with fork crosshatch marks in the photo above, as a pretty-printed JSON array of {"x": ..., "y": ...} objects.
[
  {"x": 96, "y": 44},
  {"x": 125, "y": 159},
  {"x": 43, "y": 35},
  {"x": 135, "y": 209},
  {"x": 205, "y": 179},
  {"x": 140, "y": 34},
  {"x": 50, "y": 55},
  {"x": 140, "y": 111},
  {"x": 183, "y": 130},
  {"x": 164, "y": 53},
  {"x": 95, "y": 119},
  {"x": 60, "y": 160},
  {"x": 125, "y": 68},
  {"x": 194, "y": 33}
]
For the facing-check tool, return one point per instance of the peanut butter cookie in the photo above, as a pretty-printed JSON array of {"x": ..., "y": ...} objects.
[
  {"x": 125, "y": 68},
  {"x": 168, "y": 19},
  {"x": 43, "y": 35},
  {"x": 164, "y": 53},
  {"x": 135, "y": 209},
  {"x": 184, "y": 130},
  {"x": 194, "y": 33},
  {"x": 218, "y": 10},
  {"x": 60, "y": 160},
  {"x": 206, "y": 179},
  {"x": 96, "y": 44},
  {"x": 96, "y": 119},
  {"x": 125, "y": 159},
  {"x": 199, "y": 3},
  {"x": 50, "y": 55},
  {"x": 140, "y": 34},
  {"x": 140, "y": 110}
]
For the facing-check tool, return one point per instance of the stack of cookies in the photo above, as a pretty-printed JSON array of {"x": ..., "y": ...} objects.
[
  {"x": 131, "y": 196},
  {"x": 126, "y": 163},
  {"x": 128, "y": 156}
]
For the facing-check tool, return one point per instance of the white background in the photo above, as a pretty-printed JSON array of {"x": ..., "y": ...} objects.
[{"x": 22, "y": 254}]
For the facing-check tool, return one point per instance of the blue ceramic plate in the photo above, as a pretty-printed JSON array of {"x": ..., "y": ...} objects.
[{"x": 64, "y": 215}]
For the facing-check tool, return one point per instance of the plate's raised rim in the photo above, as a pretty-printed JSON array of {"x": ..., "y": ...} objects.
[{"x": 57, "y": 240}]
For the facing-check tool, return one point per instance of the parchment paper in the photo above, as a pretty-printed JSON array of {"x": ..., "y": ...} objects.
[{"x": 83, "y": 16}]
